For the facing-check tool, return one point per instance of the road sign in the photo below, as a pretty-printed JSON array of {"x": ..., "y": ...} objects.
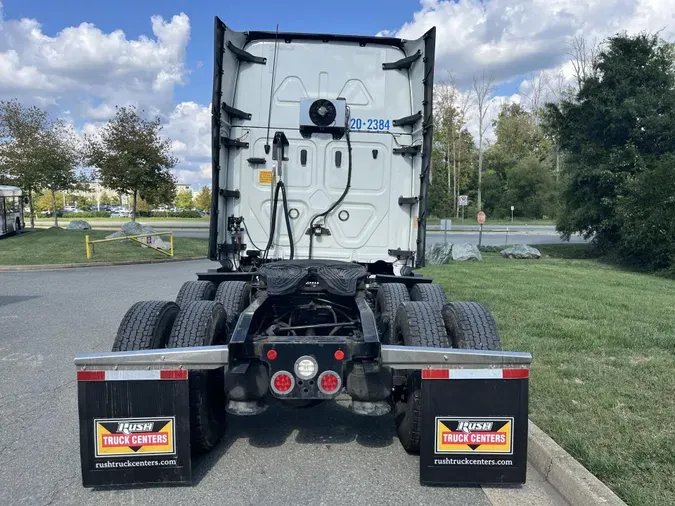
[
  {"x": 446, "y": 225},
  {"x": 463, "y": 200},
  {"x": 481, "y": 217},
  {"x": 512, "y": 208}
]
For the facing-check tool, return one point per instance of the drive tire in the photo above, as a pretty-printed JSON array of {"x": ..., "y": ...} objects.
[
  {"x": 417, "y": 324},
  {"x": 192, "y": 291},
  {"x": 235, "y": 296},
  {"x": 470, "y": 325},
  {"x": 429, "y": 292},
  {"x": 146, "y": 326},
  {"x": 203, "y": 323},
  {"x": 389, "y": 297}
]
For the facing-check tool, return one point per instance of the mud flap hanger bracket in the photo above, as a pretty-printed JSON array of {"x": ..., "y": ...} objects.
[{"x": 213, "y": 357}]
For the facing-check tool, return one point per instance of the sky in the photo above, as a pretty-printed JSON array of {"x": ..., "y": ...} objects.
[{"x": 78, "y": 59}]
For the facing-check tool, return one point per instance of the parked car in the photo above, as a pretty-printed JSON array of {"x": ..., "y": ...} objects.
[{"x": 120, "y": 212}]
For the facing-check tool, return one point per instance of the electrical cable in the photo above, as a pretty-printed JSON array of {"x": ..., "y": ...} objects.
[
  {"x": 250, "y": 238},
  {"x": 338, "y": 201},
  {"x": 289, "y": 229},
  {"x": 274, "y": 74}
]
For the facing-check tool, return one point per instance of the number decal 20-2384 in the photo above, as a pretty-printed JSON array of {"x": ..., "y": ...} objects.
[{"x": 369, "y": 124}]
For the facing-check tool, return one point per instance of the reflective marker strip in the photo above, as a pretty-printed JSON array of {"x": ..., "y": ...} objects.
[
  {"x": 173, "y": 374},
  {"x": 445, "y": 374},
  {"x": 155, "y": 374}
]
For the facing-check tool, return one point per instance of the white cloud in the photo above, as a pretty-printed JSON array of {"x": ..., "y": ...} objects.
[
  {"x": 189, "y": 126},
  {"x": 82, "y": 65},
  {"x": 81, "y": 74},
  {"x": 518, "y": 39},
  {"x": 512, "y": 38}
]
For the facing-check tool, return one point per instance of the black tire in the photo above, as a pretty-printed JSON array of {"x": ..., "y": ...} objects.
[
  {"x": 429, "y": 292},
  {"x": 389, "y": 297},
  {"x": 203, "y": 323},
  {"x": 470, "y": 325},
  {"x": 417, "y": 324},
  {"x": 146, "y": 326},
  {"x": 235, "y": 296},
  {"x": 192, "y": 291}
]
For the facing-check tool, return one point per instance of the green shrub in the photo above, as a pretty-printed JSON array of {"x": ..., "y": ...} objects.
[
  {"x": 87, "y": 214},
  {"x": 170, "y": 214}
]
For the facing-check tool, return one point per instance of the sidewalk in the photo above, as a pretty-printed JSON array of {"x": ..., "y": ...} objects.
[{"x": 536, "y": 492}]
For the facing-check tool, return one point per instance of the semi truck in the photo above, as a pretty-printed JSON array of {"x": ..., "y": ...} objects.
[{"x": 321, "y": 160}]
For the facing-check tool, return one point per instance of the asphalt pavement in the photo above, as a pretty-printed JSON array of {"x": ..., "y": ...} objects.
[{"x": 323, "y": 455}]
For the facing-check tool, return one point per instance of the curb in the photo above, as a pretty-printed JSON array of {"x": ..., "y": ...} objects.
[
  {"x": 572, "y": 480},
  {"x": 50, "y": 267}
]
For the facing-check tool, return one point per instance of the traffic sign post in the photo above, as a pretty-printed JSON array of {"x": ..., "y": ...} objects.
[
  {"x": 481, "y": 220},
  {"x": 512, "y": 208},
  {"x": 445, "y": 226},
  {"x": 463, "y": 202}
]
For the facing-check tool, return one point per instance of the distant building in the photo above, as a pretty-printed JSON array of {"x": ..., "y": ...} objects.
[
  {"x": 96, "y": 190},
  {"x": 184, "y": 188}
]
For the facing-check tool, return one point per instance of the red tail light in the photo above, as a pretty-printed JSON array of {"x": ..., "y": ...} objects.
[
  {"x": 329, "y": 382},
  {"x": 282, "y": 382}
]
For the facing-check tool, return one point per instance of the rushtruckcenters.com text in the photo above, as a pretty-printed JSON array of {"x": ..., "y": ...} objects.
[
  {"x": 135, "y": 463},
  {"x": 472, "y": 462}
]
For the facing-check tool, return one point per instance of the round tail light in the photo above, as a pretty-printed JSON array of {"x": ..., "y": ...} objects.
[
  {"x": 282, "y": 383},
  {"x": 329, "y": 382}
]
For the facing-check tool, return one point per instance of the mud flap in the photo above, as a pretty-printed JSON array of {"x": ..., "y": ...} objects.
[
  {"x": 134, "y": 427},
  {"x": 474, "y": 426}
]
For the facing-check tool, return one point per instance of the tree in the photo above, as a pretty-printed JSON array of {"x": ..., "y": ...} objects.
[
  {"x": 583, "y": 57},
  {"x": 59, "y": 154},
  {"x": 530, "y": 186},
  {"x": 520, "y": 161},
  {"x": 19, "y": 163},
  {"x": 108, "y": 198},
  {"x": 184, "y": 200},
  {"x": 452, "y": 144},
  {"x": 131, "y": 157},
  {"x": 163, "y": 194},
  {"x": 618, "y": 134},
  {"x": 483, "y": 89},
  {"x": 203, "y": 199}
]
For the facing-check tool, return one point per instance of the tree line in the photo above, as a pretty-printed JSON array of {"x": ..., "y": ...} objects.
[
  {"x": 596, "y": 156},
  {"x": 45, "y": 157}
]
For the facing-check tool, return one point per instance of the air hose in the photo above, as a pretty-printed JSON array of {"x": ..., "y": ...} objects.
[
  {"x": 273, "y": 220},
  {"x": 338, "y": 201}
]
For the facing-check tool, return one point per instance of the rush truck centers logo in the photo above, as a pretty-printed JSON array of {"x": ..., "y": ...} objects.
[
  {"x": 126, "y": 437},
  {"x": 492, "y": 435}
]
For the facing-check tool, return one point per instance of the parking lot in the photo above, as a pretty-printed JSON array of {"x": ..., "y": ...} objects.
[{"x": 324, "y": 455}]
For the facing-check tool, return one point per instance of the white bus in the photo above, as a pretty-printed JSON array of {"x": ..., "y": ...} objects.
[{"x": 11, "y": 210}]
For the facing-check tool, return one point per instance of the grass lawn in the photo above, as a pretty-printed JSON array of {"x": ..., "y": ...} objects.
[
  {"x": 471, "y": 220},
  {"x": 603, "y": 346},
  {"x": 58, "y": 246}
]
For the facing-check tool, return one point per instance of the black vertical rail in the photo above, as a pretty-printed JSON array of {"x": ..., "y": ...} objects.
[
  {"x": 218, "y": 49},
  {"x": 427, "y": 142}
]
